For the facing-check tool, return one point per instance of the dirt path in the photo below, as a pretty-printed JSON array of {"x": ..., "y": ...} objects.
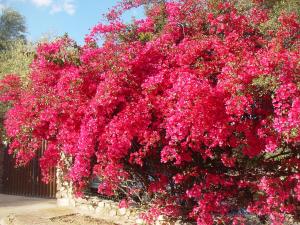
[
  {"x": 18, "y": 210},
  {"x": 74, "y": 219}
]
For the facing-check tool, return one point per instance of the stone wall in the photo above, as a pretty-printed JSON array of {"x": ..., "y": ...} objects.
[
  {"x": 93, "y": 205},
  {"x": 104, "y": 209},
  {"x": 110, "y": 211},
  {"x": 99, "y": 208}
]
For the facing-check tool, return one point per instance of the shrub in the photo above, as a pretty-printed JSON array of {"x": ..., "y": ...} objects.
[{"x": 194, "y": 110}]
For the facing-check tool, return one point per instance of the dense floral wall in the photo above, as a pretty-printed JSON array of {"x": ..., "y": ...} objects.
[{"x": 194, "y": 110}]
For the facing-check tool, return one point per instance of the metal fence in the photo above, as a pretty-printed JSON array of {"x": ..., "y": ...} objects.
[{"x": 27, "y": 181}]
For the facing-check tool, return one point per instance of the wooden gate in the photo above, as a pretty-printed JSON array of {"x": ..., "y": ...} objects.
[{"x": 27, "y": 181}]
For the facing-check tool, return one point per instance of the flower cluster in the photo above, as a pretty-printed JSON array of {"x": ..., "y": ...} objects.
[{"x": 194, "y": 110}]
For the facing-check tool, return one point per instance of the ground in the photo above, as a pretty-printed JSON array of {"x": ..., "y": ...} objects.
[
  {"x": 78, "y": 220},
  {"x": 16, "y": 210},
  {"x": 74, "y": 219}
]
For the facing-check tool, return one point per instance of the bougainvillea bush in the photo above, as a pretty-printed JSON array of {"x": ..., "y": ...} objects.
[{"x": 194, "y": 110}]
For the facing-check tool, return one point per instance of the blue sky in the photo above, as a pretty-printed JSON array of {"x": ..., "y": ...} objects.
[{"x": 56, "y": 17}]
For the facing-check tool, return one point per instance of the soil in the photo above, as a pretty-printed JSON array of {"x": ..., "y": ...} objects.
[{"x": 77, "y": 219}]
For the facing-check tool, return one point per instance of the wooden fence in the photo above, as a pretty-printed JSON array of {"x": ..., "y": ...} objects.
[{"x": 27, "y": 181}]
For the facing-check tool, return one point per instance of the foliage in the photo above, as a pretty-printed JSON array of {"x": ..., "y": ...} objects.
[
  {"x": 199, "y": 118},
  {"x": 12, "y": 27},
  {"x": 15, "y": 54},
  {"x": 16, "y": 59},
  {"x": 277, "y": 7}
]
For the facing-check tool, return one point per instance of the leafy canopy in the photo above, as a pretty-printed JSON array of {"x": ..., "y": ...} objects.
[
  {"x": 12, "y": 27},
  {"x": 194, "y": 110}
]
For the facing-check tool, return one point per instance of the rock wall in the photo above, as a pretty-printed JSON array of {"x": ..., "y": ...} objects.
[
  {"x": 98, "y": 207},
  {"x": 94, "y": 206},
  {"x": 109, "y": 211},
  {"x": 104, "y": 209}
]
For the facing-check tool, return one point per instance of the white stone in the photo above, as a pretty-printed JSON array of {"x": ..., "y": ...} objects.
[
  {"x": 108, "y": 205},
  {"x": 84, "y": 208},
  {"x": 122, "y": 211},
  {"x": 139, "y": 221},
  {"x": 62, "y": 202},
  {"x": 72, "y": 203},
  {"x": 101, "y": 204},
  {"x": 102, "y": 211},
  {"x": 99, "y": 210},
  {"x": 161, "y": 218},
  {"x": 91, "y": 208},
  {"x": 113, "y": 212},
  {"x": 82, "y": 200}
]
